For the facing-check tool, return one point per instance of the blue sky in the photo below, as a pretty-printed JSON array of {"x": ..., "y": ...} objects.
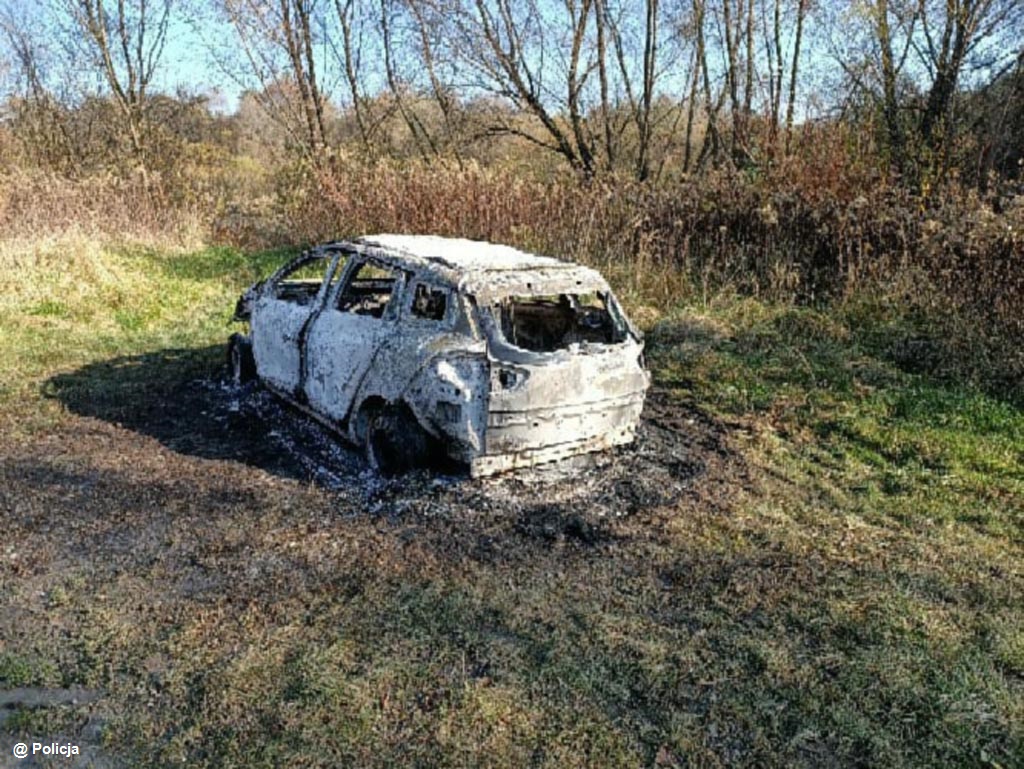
[{"x": 188, "y": 64}]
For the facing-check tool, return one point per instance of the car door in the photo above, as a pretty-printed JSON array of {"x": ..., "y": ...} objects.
[
  {"x": 346, "y": 336},
  {"x": 281, "y": 313}
]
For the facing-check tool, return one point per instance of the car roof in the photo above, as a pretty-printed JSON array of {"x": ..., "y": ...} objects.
[
  {"x": 487, "y": 270},
  {"x": 461, "y": 254}
]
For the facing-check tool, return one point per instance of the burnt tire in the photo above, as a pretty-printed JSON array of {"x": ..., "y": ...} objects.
[
  {"x": 241, "y": 363},
  {"x": 397, "y": 444}
]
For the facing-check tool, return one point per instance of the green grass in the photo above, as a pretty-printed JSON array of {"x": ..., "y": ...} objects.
[
  {"x": 861, "y": 454},
  {"x": 889, "y": 446},
  {"x": 845, "y": 588},
  {"x": 17, "y": 670},
  {"x": 77, "y": 301}
]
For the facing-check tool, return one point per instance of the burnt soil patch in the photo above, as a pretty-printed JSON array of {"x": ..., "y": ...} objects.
[{"x": 159, "y": 395}]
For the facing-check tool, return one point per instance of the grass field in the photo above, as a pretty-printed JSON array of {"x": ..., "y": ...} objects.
[{"x": 841, "y": 583}]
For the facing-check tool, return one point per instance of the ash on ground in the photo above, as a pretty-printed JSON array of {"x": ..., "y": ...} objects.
[{"x": 568, "y": 498}]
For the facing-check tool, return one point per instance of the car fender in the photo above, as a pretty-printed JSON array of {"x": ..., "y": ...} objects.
[{"x": 446, "y": 390}]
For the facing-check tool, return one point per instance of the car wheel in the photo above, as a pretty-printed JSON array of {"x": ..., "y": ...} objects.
[
  {"x": 241, "y": 363},
  {"x": 396, "y": 443}
]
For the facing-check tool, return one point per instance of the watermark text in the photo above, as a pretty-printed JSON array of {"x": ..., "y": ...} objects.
[{"x": 47, "y": 749}]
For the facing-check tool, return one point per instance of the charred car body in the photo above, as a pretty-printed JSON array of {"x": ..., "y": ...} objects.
[{"x": 425, "y": 348}]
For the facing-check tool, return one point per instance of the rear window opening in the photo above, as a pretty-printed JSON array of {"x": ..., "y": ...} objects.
[
  {"x": 429, "y": 303},
  {"x": 550, "y": 323}
]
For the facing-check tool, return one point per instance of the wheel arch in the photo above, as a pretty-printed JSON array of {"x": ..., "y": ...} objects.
[
  {"x": 240, "y": 359},
  {"x": 361, "y": 415}
]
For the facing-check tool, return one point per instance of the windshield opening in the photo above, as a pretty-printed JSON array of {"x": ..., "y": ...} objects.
[{"x": 554, "y": 322}]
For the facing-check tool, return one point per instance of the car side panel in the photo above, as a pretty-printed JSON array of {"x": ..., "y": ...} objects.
[{"x": 450, "y": 393}]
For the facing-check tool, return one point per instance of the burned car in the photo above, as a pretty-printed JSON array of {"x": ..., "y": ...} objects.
[{"x": 425, "y": 349}]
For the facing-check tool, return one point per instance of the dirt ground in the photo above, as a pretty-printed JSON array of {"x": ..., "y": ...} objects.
[
  {"x": 573, "y": 498},
  {"x": 149, "y": 508}
]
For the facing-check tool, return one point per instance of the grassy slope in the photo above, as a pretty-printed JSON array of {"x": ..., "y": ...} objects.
[{"x": 858, "y": 599}]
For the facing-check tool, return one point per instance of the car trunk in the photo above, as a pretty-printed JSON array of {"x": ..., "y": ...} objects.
[{"x": 564, "y": 369}]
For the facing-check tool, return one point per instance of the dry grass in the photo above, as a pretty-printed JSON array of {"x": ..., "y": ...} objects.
[
  {"x": 822, "y": 227},
  {"x": 812, "y": 232},
  {"x": 37, "y": 207}
]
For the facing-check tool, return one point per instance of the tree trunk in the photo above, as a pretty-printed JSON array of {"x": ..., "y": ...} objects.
[
  {"x": 643, "y": 162},
  {"x": 890, "y": 109},
  {"x": 801, "y": 10}
]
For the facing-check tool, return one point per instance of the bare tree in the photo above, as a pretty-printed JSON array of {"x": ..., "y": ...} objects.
[
  {"x": 583, "y": 76},
  {"x": 421, "y": 136},
  {"x": 951, "y": 32},
  {"x": 911, "y": 57},
  {"x": 889, "y": 68},
  {"x": 731, "y": 70},
  {"x": 775, "y": 73},
  {"x": 277, "y": 46},
  {"x": 50, "y": 138},
  {"x": 578, "y": 18},
  {"x": 349, "y": 59},
  {"x": 691, "y": 99},
  {"x": 428, "y": 29},
  {"x": 123, "y": 40},
  {"x": 711, "y": 147},
  {"x": 601, "y": 41},
  {"x": 506, "y": 45},
  {"x": 649, "y": 73},
  {"x": 801, "y": 11}
]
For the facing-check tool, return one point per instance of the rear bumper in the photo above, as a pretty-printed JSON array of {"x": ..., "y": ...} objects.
[{"x": 527, "y": 438}]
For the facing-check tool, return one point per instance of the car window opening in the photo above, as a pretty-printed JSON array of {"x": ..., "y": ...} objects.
[
  {"x": 368, "y": 292},
  {"x": 302, "y": 282},
  {"x": 549, "y": 323},
  {"x": 429, "y": 303}
]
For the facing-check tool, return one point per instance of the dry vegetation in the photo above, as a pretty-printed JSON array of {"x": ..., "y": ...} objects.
[{"x": 823, "y": 228}]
